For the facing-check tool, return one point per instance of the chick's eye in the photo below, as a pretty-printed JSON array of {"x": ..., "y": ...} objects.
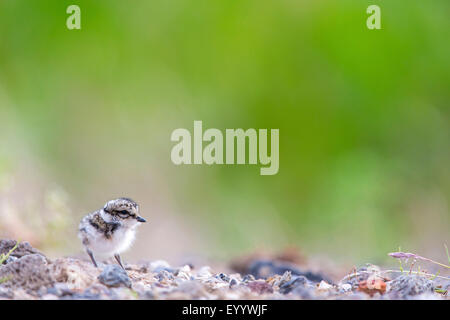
[{"x": 123, "y": 213}]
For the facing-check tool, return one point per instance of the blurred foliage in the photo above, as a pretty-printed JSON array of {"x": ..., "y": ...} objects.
[{"x": 363, "y": 115}]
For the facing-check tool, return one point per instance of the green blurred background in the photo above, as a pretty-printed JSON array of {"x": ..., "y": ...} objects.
[{"x": 363, "y": 116}]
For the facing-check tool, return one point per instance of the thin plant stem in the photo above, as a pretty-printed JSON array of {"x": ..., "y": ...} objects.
[{"x": 349, "y": 276}]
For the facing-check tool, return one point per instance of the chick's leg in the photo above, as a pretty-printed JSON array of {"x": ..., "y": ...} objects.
[
  {"x": 91, "y": 255},
  {"x": 119, "y": 260}
]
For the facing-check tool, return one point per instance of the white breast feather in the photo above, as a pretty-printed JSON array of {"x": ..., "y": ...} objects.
[{"x": 121, "y": 240}]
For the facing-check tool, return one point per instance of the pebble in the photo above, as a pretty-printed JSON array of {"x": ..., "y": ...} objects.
[
  {"x": 223, "y": 277},
  {"x": 165, "y": 276},
  {"x": 233, "y": 282},
  {"x": 406, "y": 286},
  {"x": 287, "y": 287},
  {"x": 247, "y": 278},
  {"x": 114, "y": 276},
  {"x": 323, "y": 285},
  {"x": 10, "y": 259},
  {"x": 345, "y": 287}
]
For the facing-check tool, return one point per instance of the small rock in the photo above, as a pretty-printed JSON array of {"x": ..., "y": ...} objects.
[
  {"x": 287, "y": 287},
  {"x": 183, "y": 276},
  {"x": 323, "y": 285},
  {"x": 345, "y": 287},
  {"x": 204, "y": 272},
  {"x": 405, "y": 286},
  {"x": 278, "y": 281},
  {"x": 184, "y": 269},
  {"x": 10, "y": 259},
  {"x": 114, "y": 276},
  {"x": 30, "y": 272},
  {"x": 223, "y": 277},
  {"x": 373, "y": 285},
  {"x": 164, "y": 275},
  {"x": 247, "y": 278}
]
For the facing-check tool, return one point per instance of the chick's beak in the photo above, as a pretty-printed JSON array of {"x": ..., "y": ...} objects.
[{"x": 140, "y": 219}]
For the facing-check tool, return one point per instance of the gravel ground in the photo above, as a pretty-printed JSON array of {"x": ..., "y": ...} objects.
[{"x": 29, "y": 274}]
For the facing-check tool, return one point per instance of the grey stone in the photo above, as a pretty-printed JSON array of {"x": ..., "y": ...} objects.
[
  {"x": 299, "y": 281},
  {"x": 10, "y": 259},
  {"x": 223, "y": 277},
  {"x": 406, "y": 286},
  {"x": 164, "y": 275},
  {"x": 247, "y": 278},
  {"x": 30, "y": 272},
  {"x": 114, "y": 276},
  {"x": 60, "y": 290}
]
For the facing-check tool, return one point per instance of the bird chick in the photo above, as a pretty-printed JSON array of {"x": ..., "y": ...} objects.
[{"x": 110, "y": 231}]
